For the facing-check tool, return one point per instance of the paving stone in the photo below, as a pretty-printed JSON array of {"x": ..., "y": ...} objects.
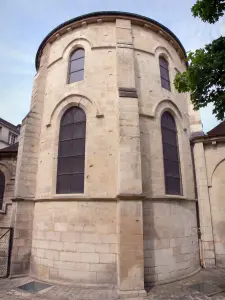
[{"x": 207, "y": 281}]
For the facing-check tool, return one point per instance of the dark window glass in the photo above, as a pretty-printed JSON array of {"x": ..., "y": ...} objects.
[
  {"x": 76, "y": 66},
  {"x": 2, "y": 188},
  {"x": 71, "y": 153},
  {"x": 164, "y": 73},
  {"x": 173, "y": 184}
]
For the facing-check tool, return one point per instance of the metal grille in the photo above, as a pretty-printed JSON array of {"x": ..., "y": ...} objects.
[{"x": 5, "y": 250}]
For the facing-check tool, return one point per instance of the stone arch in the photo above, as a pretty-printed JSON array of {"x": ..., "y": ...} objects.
[
  {"x": 168, "y": 105},
  {"x": 162, "y": 51},
  {"x": 75, "y": 44},
  {"x": 213, "y": 171},
  {"x": 171, "y": 107},
  {"x": 70, "y": 47},
  {"x": 217, "y": 197},
  {"x": 91, "y": 110},
  {"x": 7, "y": 172},
  {"x": 88, "y": 105}
]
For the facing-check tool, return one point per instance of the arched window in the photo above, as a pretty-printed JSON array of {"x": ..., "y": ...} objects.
[
  {"x": 76, "y": 66},
  {"x": 2, "y": 188},
  {"x": 71, "y": 152},
  {"x": 164, "y": 73},
  {"x": 171, "y": 158}
]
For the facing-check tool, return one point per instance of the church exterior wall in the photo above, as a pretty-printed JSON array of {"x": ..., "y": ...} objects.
[
  {"x": 103, "y": 230},
  {"x": 215, "y": 168},
  {"x": 8, "y": 167},
  {"x": 171, "y": 248},
  {"x": 75, "y": 241}
]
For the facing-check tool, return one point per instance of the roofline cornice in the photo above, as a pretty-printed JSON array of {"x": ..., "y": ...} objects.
[{"x": 110, "y": 16}]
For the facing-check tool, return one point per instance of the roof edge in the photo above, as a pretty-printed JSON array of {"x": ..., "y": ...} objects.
[{"x": 104, "y": 13}]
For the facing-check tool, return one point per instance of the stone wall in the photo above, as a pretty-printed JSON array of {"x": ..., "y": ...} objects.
[
  {"x": 8, "y": 167},
  {"x": 75, "y": 237},
  {"x": 75, "y": 241},
  {"x": 171, "y": 247},
  {"x": 214, "y": 150},
  {"x": 22, "y": 237}
]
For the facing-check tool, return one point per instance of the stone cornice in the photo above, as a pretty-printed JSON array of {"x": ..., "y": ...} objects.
[{"x": 111, "y": 16}]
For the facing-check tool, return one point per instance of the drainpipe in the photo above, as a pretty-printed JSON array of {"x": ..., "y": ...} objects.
[{"x": 202, "y": 264}]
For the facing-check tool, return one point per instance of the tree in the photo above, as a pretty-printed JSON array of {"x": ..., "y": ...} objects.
[{"x": 205, "y": 76}]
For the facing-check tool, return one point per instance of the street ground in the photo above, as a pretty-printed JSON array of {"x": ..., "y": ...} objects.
[{"x": 207, "y": 284}]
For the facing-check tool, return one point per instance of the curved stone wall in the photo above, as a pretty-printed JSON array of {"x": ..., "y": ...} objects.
[
  {"x": 122, "y": 97},
  {"x": 171, "y": 247},
  {"x": 75, "y": 241}
]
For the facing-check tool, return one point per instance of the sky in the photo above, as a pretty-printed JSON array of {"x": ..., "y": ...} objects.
[{"x": 24, "y": 24}]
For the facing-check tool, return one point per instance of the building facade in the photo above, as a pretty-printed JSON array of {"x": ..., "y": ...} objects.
[
  {"x": 9, "y": 133},
  {"x": 105, "y": 187}
]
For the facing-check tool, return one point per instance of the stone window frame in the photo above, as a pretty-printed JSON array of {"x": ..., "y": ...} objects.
[
  {"x": 183, "y": 138},
  {"x": 6, "y": 169},
  {"x": 161, "y": 67},
  {"x": 175, "y": 130},
  {"x": 79, "y": 189},
  {"x": 74, "y": 50},
  {"x": 92, "y": 112}
]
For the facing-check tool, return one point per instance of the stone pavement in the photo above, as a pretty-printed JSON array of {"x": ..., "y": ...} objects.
[{"x": 207, "y": 284}]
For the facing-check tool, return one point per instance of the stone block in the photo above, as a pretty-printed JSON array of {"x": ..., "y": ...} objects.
[
  {"x": 68, "y": 246},
  {"x": 85, "y": 248},
  {"x": 90, "y": 257},
  {"x": 52, "y": 236},
  {"x": 103, "y": 277},
  {"x": 73, "y": 237},
  {"x": 103, "y": 248},
  {"x": 107, "y": 258},
  {"x": 55, "y": 245},
  {"x": 93, "y": 238},
  {"x": 70, "y": 256},
  {"x": 79, "y": 277},
  {"x": 107, "y": 267},
  {"x": 110, "y": 239},
  {"x": 52, "y": 254}
]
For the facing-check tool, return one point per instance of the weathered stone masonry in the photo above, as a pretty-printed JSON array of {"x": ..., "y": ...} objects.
[{"x": 124, "y": 230}]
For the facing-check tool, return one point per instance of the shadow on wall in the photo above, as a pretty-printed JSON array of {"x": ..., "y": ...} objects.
[{"x": 171, "y": 248}]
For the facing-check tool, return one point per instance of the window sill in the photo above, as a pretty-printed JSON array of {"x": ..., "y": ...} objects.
[
  {"x": 173, "y": 197},
  {"x": 70, "y": 196}
]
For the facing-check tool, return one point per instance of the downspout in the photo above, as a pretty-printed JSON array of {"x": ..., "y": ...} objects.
[{"x": 202, "y": 264}]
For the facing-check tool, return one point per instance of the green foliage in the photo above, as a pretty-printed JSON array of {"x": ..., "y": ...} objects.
[
  {"x": 209, "y": 10},
  {"x": 205, "y": 76}
]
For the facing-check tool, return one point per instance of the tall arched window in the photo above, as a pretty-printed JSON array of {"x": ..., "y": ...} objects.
[
  {"x": 164, "y": 73},
  {"x": 76, "y": 66},
  {"x": 2, "y": 188},
  {"x": 71, "y": 152},
  {"x": 173, "y": 184}
]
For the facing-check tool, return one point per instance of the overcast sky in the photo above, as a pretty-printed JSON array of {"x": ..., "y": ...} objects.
[{"x": 24, "y": 24}]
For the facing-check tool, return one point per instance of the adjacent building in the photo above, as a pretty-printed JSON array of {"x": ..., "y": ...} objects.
[
  {"x": 9, "y": 133},
  {"x": 114, "y": 182}
]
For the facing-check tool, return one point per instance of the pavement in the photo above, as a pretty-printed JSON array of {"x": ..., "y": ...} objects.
[{"x": 207, "y": 284}]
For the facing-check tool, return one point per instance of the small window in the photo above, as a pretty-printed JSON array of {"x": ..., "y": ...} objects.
[
  {"x": 2, "y": 188},
  {"x": 71, "y": 152},
  {"x": 173, "y": 184},
  {"x": 76, "y": 66},
  {"x": 164, "y": 73},
  {"x": 12, "y": 138}
]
